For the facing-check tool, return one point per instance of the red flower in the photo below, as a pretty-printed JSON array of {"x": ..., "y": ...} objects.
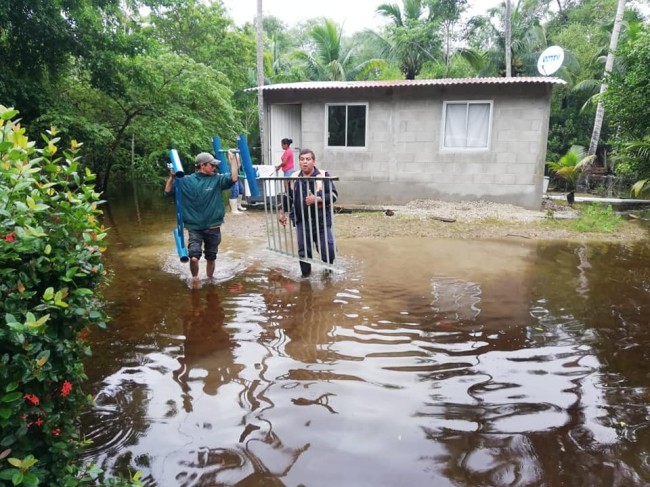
[
  {"x": 32, "y": 398},
  {"x": 66, "y": 388},
  {"x": 56, "y": 432},
  {"x": 10, "y": 237},
  {"x": 38, "y": 422}
]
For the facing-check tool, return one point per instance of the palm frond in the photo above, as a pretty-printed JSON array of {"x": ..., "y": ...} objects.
[
  {"x": 640, "y": 187},
  {"x": 391, "y": 11}
]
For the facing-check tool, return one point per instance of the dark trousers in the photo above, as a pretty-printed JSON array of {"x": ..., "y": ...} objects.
[{"x": 308, "y": 235}]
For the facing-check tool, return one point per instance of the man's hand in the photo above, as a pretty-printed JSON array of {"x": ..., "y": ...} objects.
[
  {"x": 282, "y": 219},
  {"x": 234, "y": 165},
  {"x": 311, "y": 199}
]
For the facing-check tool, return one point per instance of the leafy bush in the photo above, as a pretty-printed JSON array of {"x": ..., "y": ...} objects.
[
  {"x": 51, "y": 245},
  {"x": 598, "y": 218}
]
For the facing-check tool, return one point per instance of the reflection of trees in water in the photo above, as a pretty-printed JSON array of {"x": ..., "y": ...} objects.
[
  {"x": 592, "y": 307},
  {"x": 609, "y": 300},
  {"x": 544, "y": 458}
]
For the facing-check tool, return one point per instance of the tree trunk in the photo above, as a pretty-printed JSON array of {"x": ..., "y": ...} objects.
[
  {"x": 260, "y": 79},
  {"x": 609, "y": 64},
  {"x": 508, "y": 40}
]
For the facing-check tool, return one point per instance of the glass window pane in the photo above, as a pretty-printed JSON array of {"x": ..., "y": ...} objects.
[
  {"x": 336, "y": 125},
  {"x": 356, "y": 126},
  {"x": 455, "y": 125},
  {"x": 478, "y": 125}
]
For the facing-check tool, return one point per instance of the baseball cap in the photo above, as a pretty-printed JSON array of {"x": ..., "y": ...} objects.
[{"x": 204, "y": 158}]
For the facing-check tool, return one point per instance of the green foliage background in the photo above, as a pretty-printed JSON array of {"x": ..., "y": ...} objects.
[{"x": 134, "y": 79}]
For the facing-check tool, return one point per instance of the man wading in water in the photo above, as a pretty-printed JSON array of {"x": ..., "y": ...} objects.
[
  {"x": 310, "y": 209},
  {"x": 203, "y": 208}
]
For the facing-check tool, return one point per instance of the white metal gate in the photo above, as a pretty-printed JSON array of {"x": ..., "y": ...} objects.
[{"x": 312, "y": 225}]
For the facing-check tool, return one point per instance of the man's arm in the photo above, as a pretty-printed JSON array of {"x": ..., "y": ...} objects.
[
  {"x": 169, "y": 185},
  {"x": 234, "y": 161}
]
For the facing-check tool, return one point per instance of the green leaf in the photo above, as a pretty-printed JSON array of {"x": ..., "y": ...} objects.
[
  {"x": 29, "y": 461},
  {"x": 7, "y": 474},
  {"x": 48, "y": 294},
  {"x": 31, "y": 203},
  {"x": 11, "y": 387},
  {"x": 12, "y": 396},
  {"x": 48, "y": 249},
  {"x": 40, "y": 322},
  {"x": 17, "y": 478},
  {"x": 15, "y": 462},
  {"x": 5, "y": 413},
  {"x": 30, "y": 480},
  {"x": 9, "y": 114}
]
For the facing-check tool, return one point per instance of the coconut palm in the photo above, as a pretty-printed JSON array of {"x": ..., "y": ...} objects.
[
  {"x": 411, "y": 39},
  {"x": 527, "y": 39},
  {"x": 329, "y": 58},
  {"x": 600, "y": 110}
]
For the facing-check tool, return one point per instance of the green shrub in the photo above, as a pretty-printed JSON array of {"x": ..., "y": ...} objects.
[
  {"x": 597, "y": 218},
  {"x": 51, "y": 245}
]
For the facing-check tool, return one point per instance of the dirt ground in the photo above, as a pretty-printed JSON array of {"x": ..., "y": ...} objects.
[{"x": 455, "y": 220}]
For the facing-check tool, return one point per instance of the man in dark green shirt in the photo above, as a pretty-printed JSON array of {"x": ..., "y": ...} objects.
[{"x": 203, "y": 209}]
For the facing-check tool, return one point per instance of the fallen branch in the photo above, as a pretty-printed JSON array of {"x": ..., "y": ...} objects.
[{"x": 443, "y": 219}]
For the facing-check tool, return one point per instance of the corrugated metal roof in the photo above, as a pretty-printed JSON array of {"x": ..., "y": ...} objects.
[{"x": 338, "y": 85}]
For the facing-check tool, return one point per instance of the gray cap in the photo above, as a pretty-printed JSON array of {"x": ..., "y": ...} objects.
[{"x": 204, "y": 158}]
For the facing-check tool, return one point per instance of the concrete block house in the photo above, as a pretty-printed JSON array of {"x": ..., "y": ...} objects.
[{"x": 391, "y": 142}]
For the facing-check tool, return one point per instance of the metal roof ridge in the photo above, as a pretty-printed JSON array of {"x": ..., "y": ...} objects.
[{"x": 416, "y": 82}]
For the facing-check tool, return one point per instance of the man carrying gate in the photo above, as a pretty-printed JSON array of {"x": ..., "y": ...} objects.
[{"x": 310, "y": 205}]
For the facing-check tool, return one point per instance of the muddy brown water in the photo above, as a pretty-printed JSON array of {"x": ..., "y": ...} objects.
[{"x": 424, "y": 362}]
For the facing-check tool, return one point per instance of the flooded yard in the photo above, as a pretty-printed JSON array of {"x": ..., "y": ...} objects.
[{"x": 426, "y": 361}]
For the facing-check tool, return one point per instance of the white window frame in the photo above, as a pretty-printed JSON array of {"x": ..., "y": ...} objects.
[
  {"x": 445, "y": 104},
  {"x": 327, "y": 128}
]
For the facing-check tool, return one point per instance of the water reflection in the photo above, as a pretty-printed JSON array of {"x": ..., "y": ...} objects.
[
  {"x": 426, "y": 363},
  {"x": 207, "y": 350}
]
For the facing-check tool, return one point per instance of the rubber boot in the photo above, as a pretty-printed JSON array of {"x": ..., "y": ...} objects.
[
  {"x": 233, "y": 208},
  {"x": 305, "y": 269},
  {"x": 239, "y": 203}
]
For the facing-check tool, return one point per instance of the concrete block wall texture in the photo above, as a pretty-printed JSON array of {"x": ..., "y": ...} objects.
[{"x": 404, "y": 158}]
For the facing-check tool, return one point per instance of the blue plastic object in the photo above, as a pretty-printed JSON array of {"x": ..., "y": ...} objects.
[{"x": 242, "y": 145}]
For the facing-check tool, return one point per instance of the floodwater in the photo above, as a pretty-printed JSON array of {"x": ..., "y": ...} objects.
[{"x": 425, "y": 362}]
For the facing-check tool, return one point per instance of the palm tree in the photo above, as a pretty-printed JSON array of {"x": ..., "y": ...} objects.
[
  {"x": 527, "y": 38},
  {"x": 571, "y": 165},
  {"x": 329, "y": 58},
  {"x": 411, "y": 39},
  {"x": 600, "y": 110}
]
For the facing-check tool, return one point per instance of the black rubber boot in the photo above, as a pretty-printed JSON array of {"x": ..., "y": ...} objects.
[{"x": 305, "y": 268}]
